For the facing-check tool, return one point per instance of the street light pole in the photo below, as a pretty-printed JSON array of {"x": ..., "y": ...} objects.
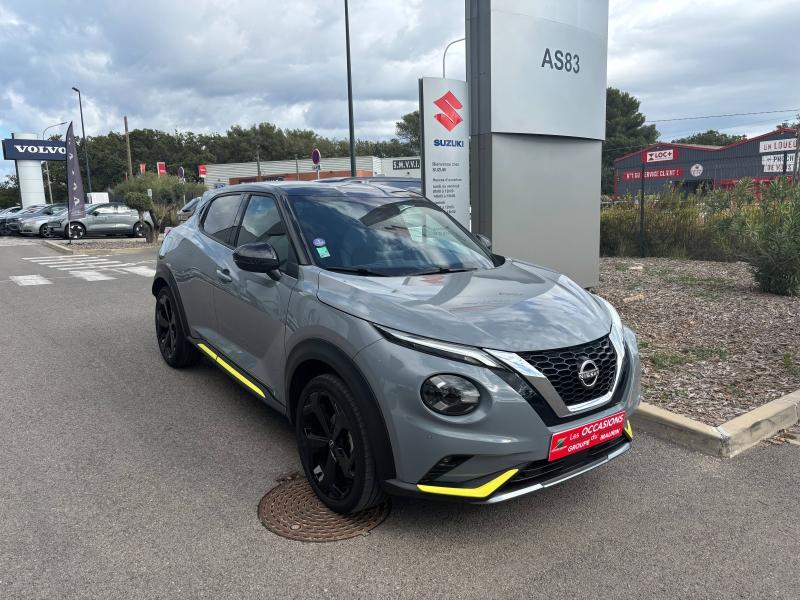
[
  {"x": 47, "y": 162},
  {"x": 350, "y": 92},
  {"x": 444, "y": 56},
  {"x": 85, "y": 145}
]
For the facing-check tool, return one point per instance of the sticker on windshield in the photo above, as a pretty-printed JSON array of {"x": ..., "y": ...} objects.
[
  {"x": 323, "y": 252},
  {"x": 318, "y": 242}
]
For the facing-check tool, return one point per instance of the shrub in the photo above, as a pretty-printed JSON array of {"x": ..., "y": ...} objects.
[{"x": 771, "y": 239}]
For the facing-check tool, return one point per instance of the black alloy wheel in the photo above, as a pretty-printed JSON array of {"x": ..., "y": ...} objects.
[
  {"x": 44, "y": 231},
  {"x": 76, "y": 231},
  {"x": 334, "y": 446},
  {"x": 175, "y": 349}
]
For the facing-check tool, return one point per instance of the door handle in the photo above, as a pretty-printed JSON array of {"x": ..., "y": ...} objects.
[{"x": 224, "y": 275}]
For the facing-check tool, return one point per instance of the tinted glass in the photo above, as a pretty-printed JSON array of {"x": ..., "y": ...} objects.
[
  {"x": 219, "y": 219},
  {"x": 386, "y": 236},
  {"x": 107, "y": 209},
  {"x": 262, "y": 223}
]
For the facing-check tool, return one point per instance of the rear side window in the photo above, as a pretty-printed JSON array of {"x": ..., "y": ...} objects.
[{"x": 220, "y": 217}]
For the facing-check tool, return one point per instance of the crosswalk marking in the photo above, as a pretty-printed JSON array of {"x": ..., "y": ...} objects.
[
  {"x": 91, "y": 275},
  {"x": 45, "y": 259},
  {"x": 90, "y": 265},
  {"x": 29, "y": 280},
  {"x": 16, "y": 242},
  {"x": 143, "y": 271}
]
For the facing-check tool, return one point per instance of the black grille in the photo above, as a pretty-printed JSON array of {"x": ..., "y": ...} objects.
[{"x": 561, "y": 368}]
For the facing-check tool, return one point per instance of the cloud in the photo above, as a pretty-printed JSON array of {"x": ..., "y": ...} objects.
[{"x": 205, "y": 65}]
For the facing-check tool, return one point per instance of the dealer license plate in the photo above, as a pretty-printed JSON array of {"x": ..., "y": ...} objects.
[{"x": 585, "y": 436}]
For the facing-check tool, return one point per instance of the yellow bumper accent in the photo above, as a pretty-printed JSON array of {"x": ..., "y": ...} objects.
[
  {"x": 628, "y": 429},
  {"x": 479, "y": 492},
  {"x": 241, "y": 378}
]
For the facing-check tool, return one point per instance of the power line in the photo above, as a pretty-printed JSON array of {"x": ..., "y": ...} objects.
[{"x": 761, "y": 112}]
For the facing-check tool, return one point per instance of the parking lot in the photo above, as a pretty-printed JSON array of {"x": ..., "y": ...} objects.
[{"x": 121, "y": 476}]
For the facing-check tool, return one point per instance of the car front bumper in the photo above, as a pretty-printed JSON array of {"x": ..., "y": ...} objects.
[{"x": 501, "y": 449}]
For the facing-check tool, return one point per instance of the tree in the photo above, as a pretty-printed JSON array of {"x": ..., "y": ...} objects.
[
  {"x": 407, "y": 129},
  {"x": 788, "y": 125},
  {"x": 142, "y": 202},
  {"x": 625, "y": 132},
  {"x": 9, "y": 192},
  {"x": 712, "y": 137}
]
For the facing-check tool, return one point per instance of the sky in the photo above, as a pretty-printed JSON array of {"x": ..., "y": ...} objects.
[{"x": 204, "y": 65}]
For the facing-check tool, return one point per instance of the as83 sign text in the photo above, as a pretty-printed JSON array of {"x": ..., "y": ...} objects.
[{"x": 561, "y": 61}]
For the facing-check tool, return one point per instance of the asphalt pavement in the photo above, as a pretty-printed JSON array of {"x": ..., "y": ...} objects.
[{"x": 121, "y": 477}]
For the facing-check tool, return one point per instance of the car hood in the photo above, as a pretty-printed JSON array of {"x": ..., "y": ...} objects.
[{"x": 515, "y": 306}]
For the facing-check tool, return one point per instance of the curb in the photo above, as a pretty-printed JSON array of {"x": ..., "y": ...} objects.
[
  {"x": 57, "y": 247},
  {"x": 726, "y": 440}
]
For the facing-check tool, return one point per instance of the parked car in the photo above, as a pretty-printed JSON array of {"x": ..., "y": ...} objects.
[
  {"x": 409, "y": 358},
  {"x": 36, "y": 223},
  {"x": 413, "y": 184},
  {"x": 188, "y": 209},
  {"x": 111, "y": 218},
  {"x": 13, "y": 214}
]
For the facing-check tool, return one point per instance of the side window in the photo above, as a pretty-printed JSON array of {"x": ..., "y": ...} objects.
[
  {"x": 262, "y": 223},
  {"x": 220, "y": 216},
  {"x": 104, "y": 210}
]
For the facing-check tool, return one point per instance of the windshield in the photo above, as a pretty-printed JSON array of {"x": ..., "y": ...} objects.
[{"x": 384, "y": 236}]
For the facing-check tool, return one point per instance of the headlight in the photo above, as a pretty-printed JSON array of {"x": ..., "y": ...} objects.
[
  {"x": 466, "y": 354},
  {"x": 450, "y": 395}
]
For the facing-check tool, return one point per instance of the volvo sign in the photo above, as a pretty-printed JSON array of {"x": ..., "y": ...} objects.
[{"x": 21, "y": 149}]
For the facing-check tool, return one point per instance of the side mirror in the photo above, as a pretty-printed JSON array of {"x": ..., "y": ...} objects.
[
  {"x": 258, "y": 257},
  {"x": 484, "y": 240}
]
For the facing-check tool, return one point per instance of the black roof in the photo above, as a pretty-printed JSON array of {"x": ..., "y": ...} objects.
[{"x": 305, "y": 188}]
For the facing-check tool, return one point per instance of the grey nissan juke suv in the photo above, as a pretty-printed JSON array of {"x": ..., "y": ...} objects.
[{"x": 409, "y": 358}]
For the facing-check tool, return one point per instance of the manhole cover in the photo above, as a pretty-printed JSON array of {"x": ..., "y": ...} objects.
[{"x": 292, "y": 510}]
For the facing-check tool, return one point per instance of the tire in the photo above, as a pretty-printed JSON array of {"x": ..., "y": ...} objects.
[
  {"x": 177, "y": 351},
  {"x": 334, "y": 446},
  {"x": 43, "y": 231},
  {"x": 76, "y": 231},
  {"x": 139, "y": 232}
]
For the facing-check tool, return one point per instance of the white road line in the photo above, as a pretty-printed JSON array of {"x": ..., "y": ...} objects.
[
  {"x": 37, "y": 259},
  {"x": 91, "y": 275},
  {"x": 29, "y": 280},
  {"x": 94, "y": 265},
  {"x": 143, "y": 271}
]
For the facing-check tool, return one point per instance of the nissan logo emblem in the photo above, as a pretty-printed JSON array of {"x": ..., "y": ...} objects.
[{"x": 588, "y": 373}]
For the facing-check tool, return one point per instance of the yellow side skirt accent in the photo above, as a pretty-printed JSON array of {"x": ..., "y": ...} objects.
[
  {"x": 628, "y": 429},
  {"x": 479, "y": 492},
  {"x": 241, "y": 378}
]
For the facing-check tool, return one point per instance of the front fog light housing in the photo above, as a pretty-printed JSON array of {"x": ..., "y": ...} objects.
[{"x": 450, "y": 395}]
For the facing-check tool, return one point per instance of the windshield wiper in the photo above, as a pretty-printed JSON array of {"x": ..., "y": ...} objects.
[
  {"x": 440, "y": 271},
  {"x": 357, "y": 271}
]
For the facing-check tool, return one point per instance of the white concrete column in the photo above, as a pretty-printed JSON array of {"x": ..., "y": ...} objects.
[{"x": 31, "y": 184}]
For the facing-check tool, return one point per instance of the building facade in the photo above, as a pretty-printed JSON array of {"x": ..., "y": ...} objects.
[{"x": 762, "y": 158}]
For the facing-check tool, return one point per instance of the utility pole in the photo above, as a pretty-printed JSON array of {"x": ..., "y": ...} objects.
[
  {"x": 258, "y": 164},
  {"x": 349, "y": 93},
  {"x": 796, "y": 170},
  {"x": 128, "y": 144}
]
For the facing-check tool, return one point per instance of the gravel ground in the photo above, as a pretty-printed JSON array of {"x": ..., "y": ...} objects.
[
  {"x": 106, "y": 243},
  {"x": 713, "y": 347}
]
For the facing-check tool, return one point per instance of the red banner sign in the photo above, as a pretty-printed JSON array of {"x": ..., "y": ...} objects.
[
  {"x": 201, "y": 170},
  {"x": 162, "y": 168},
  {"x": 649, "y": 156},
  {"x": 584, "y": 437},
  {"x": 654, "y": 174},
  {"x": 142, "y": 168}
]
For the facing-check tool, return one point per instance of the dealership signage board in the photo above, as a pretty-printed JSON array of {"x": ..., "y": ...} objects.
[
  {"x": 662, "y": 155},
  {"x": 23, "y": 149},
  {"x": 444, "y": 118},
  {"x": 548, "y": 67},
  {"x": 655, "y": 174},
  {"x": 773, "y": 163},
  {"x": 785, "y": 145},
  {"x": 161, "y": 167}
]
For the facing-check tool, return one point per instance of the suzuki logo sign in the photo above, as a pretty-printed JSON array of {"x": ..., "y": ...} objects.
[{"x": 449, "y": 105}]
